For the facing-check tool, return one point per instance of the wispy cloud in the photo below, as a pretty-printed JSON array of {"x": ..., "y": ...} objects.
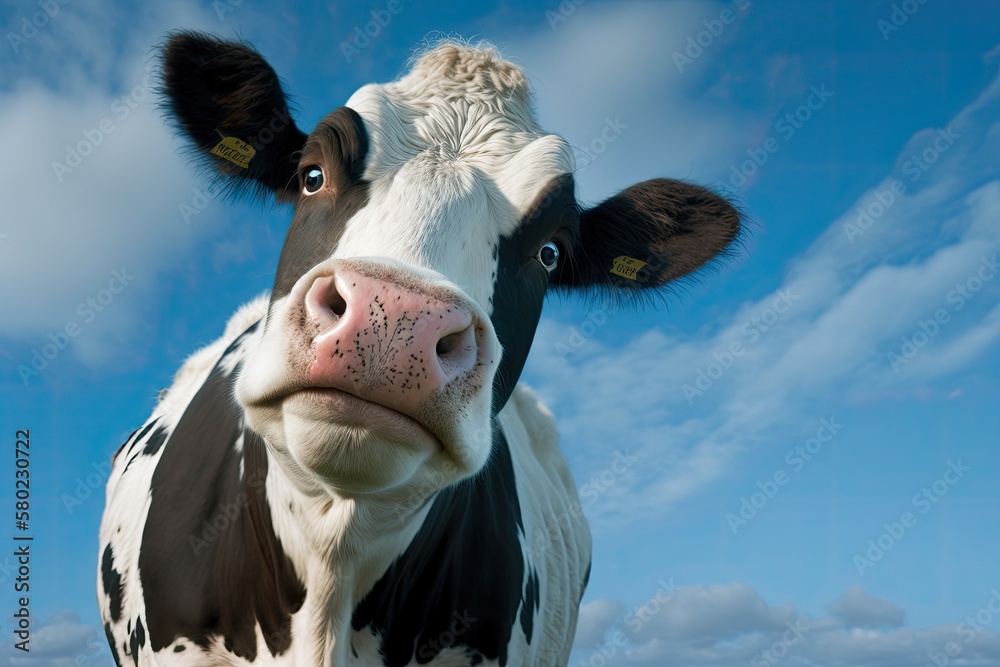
[
  {"x": 97, "y": 182},
  {"x": 843, "y": 308},
  {"x": 615, "y": 60}
]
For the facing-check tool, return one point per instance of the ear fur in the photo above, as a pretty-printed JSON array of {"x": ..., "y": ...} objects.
[
  {"x": 215, "y": 89},
  {"x": 664, "y": 229}
]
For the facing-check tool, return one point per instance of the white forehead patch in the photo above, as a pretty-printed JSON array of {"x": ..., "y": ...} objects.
[{"x": 455, "y": 161}]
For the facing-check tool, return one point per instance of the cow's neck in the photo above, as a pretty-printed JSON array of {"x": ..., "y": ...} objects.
[
  {"x": 234, "y": 554},
  {"x": 410, "y": 572}
]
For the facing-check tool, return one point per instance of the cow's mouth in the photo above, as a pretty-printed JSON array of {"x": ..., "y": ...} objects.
[{"x": 350, "y": 412}]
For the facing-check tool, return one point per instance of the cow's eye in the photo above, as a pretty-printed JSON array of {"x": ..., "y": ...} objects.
[
  {"x": 313, "y": 180},
  {"x": 548, "y": 255}
]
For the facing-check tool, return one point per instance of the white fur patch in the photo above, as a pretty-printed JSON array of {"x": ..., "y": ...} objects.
[{"x": 453, "y": 167}]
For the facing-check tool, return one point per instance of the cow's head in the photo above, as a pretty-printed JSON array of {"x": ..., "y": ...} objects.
[{"x": 432, "y": 214}]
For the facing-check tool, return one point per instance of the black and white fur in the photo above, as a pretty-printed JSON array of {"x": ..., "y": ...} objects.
[{"x": 224, "y": 540}]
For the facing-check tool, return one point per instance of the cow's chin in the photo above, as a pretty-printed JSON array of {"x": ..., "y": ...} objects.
[{"x": 356, "y": 447}]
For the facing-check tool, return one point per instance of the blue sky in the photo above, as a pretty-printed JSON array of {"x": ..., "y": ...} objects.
[{"x": 862, "y": 140}]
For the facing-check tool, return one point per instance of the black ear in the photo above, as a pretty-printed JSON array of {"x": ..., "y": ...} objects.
[
  {"x": 229, "y": 102},
  {"x": 647, "y": 235}
]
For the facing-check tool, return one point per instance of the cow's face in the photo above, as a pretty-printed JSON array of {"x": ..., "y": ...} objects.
[{"x": 432, "y": 214}]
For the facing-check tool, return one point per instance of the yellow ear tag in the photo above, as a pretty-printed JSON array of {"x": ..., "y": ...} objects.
[
  {"x": 626, "y": 266},
  {"x": 238, "y": 152}
]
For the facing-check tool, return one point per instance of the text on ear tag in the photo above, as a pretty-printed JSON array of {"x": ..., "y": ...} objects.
[
  {"x": 626, "y": 266},
  {"x": 238, "y": 152}
]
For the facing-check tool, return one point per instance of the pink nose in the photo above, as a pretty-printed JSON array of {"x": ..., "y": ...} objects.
[{"x": 386, "y": 343}]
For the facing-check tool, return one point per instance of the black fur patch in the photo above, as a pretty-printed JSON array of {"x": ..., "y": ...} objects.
[
  {"x": 122, "y": 446},
  {"x": 521, "y": 281},
  {"x": 459, "y": 581},
  {"x": 112, "y": 581},
  {"x": 141, "y": 435},
  {"x": 137, "y": 640},
  {"x": 530, "y": 606},
  {"x": 339, "y": 146},
  {"x": 235, "y": 345},
  {"x": 210, "y": 563},
  {"x": 111, "y": 643},
  {"x": 155, "y": 441}
]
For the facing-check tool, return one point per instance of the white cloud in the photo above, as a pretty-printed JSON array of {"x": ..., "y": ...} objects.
[
  {"x": 60, "y": 641},
  {"x": 961, "y": 351},
  {"x": 595, "y": 619},
  {"x": 615, "y": 61},
  {"x": 730, "y": 625},
  {"x": 78, "y": 101},
  {"x": 690, "y": 408},
  {"x": 720, "y": 612},
  {"x": 856, "y": 608}
]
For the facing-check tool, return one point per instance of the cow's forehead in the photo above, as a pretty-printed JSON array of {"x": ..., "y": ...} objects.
[
  {"x": 455, "y": 163},
  {"x": 465, "y": 112}
]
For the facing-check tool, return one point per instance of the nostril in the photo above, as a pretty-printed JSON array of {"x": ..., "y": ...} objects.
[
  {"x": 456, "y": 347},
  {"x": 337, "y": 304},
  {"x": 326, "y": 302},
  {"x": 447, "y": 345}
]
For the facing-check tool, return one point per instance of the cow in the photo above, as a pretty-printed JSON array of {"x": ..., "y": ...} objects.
[{"x": 352, "y": 474}]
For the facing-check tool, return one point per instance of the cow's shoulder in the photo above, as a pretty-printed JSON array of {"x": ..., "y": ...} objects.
[
  {"x": 142, "y": 447},
  {"x": 533, "y": 434},
  {"x": 128, "y": 498},
  {"x": 557, "y": 539}
]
